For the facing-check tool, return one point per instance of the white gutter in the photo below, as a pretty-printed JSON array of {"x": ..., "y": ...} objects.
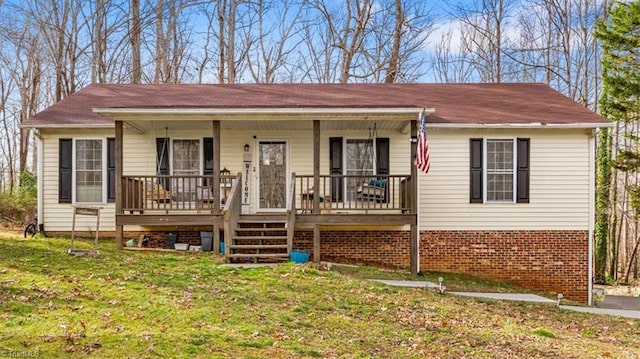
[
  {"x": 75, "y": 125},
  {"x": 592, "y": 204},
  {"x": 263, "y": 111},
  {"x": 519, "y": 125}
]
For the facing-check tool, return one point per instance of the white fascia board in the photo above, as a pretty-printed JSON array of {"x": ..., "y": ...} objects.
[
  {"x": 112, "y": 112},
  {"x": 518, "y": 125},
  {"x": 75, "y": 125}
]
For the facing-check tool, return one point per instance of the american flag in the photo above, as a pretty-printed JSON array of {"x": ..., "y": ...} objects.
[{"x": 422, "y": 155}]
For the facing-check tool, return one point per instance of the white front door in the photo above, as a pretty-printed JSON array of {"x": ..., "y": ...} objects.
[{"x": 273, "y": 174}]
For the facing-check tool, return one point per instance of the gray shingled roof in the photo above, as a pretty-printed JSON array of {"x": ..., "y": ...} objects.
[{"x": 517, "y": 103}]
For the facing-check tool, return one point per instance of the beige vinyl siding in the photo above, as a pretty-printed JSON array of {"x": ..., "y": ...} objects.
[
  {"x": 559, "y": 183},
  {"x": 140, "y": 159},
  {"x": 58, "y": 216}
]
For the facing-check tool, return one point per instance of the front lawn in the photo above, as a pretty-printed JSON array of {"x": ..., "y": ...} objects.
[{"x": 183, "y": 305}]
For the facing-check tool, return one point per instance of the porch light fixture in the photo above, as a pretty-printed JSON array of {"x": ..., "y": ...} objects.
[{"x": 246, "y": 147}]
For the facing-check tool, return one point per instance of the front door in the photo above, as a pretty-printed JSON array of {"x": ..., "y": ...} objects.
[{"x": 272, "y": 175}]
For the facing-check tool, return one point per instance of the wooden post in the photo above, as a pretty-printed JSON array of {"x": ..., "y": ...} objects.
[
  {"x": 316, "y": 189},
  {"x": 316, "y": 167},
  {"x": 216, "y": 239},
  {"x": 415, "y": 233},
  {"x": 119, "y": 195},
  {"x": 216, "y": 166},
  {"x": 316, "y": 243}
]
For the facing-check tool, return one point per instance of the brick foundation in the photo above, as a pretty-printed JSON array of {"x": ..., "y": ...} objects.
[
  {"x": 550, "y": 261},
  {"x": 381, "y": 248}
]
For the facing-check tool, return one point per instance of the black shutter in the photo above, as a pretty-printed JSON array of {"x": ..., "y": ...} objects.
[
  {"x": 335, "y": 167},
  {"x": 382, "y": 161},
  {"x": 476, "y": 171},
  {"x": 207, "y": 159},
  {"x": 522, "y": 194},
  {"x": 162, "y": 161},
  {"x": 64, "y": 170},
  {"x": 111, "y": 169},
  {"x": 382, "y": 155}
]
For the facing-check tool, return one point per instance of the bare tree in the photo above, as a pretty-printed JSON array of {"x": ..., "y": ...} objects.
[
  {"x": 274, "y": 39},
  {"x": 134, "y": 38}
]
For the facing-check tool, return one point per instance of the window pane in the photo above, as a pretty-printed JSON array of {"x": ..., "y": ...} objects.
[
  {"x": 499, "y": 187},
  {"x": 360, "y": 157},
  {"x": 186, "y": 161},
  {"x": 186, "y": 157},
  {"x": 88, "y": 170},
  {"x": 500, "y": 173}
]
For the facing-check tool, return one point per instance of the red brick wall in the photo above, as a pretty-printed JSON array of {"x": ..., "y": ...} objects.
[
  {"x": 549, "y": 261},
  {"x": 383, "y": 248}
]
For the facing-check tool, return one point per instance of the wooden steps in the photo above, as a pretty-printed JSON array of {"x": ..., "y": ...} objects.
[{"x": 259, "y": 236}]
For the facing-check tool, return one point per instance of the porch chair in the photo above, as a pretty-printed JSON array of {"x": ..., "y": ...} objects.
[
  {"x": 205, "y": 197},
  {"x": 374, "y": 190},
  {"x": 157, "y": 193}
]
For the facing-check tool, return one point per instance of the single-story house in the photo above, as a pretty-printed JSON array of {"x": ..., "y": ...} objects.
[{"x": 329, "y": 168}]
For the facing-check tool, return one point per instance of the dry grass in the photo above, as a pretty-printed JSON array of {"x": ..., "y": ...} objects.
[{"x": 146, "y": 304}]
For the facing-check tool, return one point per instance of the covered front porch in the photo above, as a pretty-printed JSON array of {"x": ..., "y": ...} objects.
[{"x": 239, "y": 201}]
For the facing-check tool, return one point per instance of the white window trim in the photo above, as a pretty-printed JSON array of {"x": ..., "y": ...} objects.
[
  {"x": 344, "y": 153},
  {"x": 105, "y": 151},
  {"x": 485, "y": 171},
  {"x": 200, "y": 154},
  {"x": 345, "y": 181}
]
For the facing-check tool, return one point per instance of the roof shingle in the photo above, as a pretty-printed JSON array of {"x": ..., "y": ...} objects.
[{"x": 515, "y": 103}]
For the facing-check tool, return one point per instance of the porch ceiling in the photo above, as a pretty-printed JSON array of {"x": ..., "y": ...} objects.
[{"x": 269, "y": 125}]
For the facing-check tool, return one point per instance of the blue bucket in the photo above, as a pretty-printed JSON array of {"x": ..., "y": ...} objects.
[{"x": 298, "y": 256}]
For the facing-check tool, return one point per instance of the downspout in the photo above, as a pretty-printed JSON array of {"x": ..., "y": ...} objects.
[
  {"x": 592, "y": 189},
  {"x": 40, "y": 180}
]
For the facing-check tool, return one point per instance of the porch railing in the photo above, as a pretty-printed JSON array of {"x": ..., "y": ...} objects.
[
  {"x": 174, "y": 193},
  {"x": 354, "y": 193}
]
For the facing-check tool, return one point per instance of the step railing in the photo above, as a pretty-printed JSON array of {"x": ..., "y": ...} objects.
[{"x": 231, "y": 212}]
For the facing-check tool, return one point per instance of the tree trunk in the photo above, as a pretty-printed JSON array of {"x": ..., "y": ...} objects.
[
  {"x": 160, "y": 55},
  {"x": 392, "y": 71},
  {"x": 134, "y": 36}
]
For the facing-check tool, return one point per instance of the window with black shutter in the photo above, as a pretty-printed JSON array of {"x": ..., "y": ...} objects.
[{"x": 499, "y": 170}]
